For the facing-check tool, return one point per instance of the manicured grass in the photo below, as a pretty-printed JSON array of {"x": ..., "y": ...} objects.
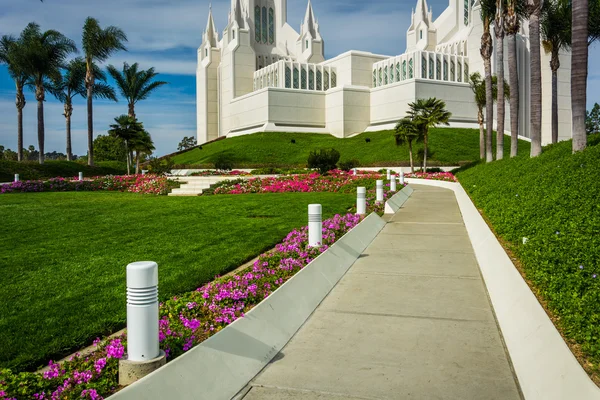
[
  {"x": 63, "y": 256},
  {"x": 552, "y": 200},
  {"x": 447, "y": 146},
  {"x": 30, "y": 170}
]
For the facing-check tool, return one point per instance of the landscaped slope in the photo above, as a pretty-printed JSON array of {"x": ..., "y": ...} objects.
[
  {"x": 551, "y": 203},
  {"x": 52, "y": 169},
  {"x": 447, "y": 146}
]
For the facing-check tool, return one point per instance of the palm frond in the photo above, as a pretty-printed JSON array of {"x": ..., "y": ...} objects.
[{"x": 103, "y": 90}]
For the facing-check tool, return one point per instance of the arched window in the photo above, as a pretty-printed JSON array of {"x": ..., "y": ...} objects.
[
  {"x": 271, "y": 26},
  {"x": 288, "y": 77},
  {"x": 404, "y": 70},
  {"x": 385, "y": 76},
  {"x": 445, "y": 70},
  {"x": 264, "y": 25},
  {"x": 410, "y": 69},
  {"x": 398, "y": 72},
  {"x": 319, "y": 80},
  {"x": 311, "y": 79},
  {"x": 296, "y": 78},
  {"x": 423, "y": 67},
  {"x": 257, "y": 23},
  {"x": 326, "y": 81},
  {"x": 333, "y": 79},
  {"x": 303, "y": 78}
]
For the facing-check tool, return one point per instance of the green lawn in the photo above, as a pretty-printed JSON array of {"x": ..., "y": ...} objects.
[
  {"x": 50, "y": 169},
  {"x": 63, "y": 256},
  {"x": 447, "y": 146}
]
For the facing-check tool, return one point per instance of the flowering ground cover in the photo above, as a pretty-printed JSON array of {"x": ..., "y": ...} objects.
[
  {"x": 146, "y": 184},
  {"x": 436, "y": 176},
  {"x": 545, "y": 210},
  {"x": 213, "y": 172},
  {"x": 63, "y": 256},
  {"x": 185, "y": 320}
]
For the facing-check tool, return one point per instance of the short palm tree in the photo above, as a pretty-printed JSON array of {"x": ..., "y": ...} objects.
[
  {"x": 408, "y": 131},
  {"x": 515, "y": 10},
  {"x": 143, "y": 145},
  {"x": 135, "y": 84},
  {"x": 71, "y": 84},
  {"x": 11, "y": 54},
  {"x": 478, "y": 88},
  {"x": 579, "y": 71},
  {"x": 98, "y": 45},
  {"x": 44, "y": 55},
  {"x": 428, "y": 113},
  {"x": 127, "y": 129},
  {"x": 534, "y": 8},
  {"x": 556, "y": 35},
  {"x": 488, "y": 12}
]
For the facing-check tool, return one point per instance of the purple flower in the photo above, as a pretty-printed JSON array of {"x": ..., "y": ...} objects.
[{"x": 581, "y": 267}]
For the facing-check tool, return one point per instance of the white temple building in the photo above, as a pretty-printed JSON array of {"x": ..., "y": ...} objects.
[{"x": 262, "y": 75}]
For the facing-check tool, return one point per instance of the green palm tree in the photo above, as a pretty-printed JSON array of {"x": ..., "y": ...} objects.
[
  {"x": 488, "y": 12},
  {"x": 135, "y": 84},
  {"x": 428, "y": 113},
  {"x": 534, "y": 8},
  {"x": 44, "y": 55},
  {"x": 408, "y": 131},
  {"x": 71, "y": 84},
  {"x": 127, "y": 129},
  {"x": 556, "y": 36},
  {"x": 98, "y": 45},
  {"x": 478, "y": 88},
  {"x": 593, "y": 21},
  {"x": 500, "y": 32},
  {"x": 143, "y": 145},
  {"x": 515, "y": 10},
  {"x": 11, "y": 54},
  {"x": 579, "y": 71}
]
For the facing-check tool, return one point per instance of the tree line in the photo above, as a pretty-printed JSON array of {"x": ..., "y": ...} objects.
[{"x": 39, "y": 60}]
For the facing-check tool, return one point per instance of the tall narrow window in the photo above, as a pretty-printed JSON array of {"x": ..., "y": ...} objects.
[
  {"x": 319, "y": 80},
  {"x": 410, "y": 69},
  {"x": 311, "y": 79},
  {"x": 233, "y": 33},
  {"x": 466, "y": 12},
  {"x": 421, "y": 34},
  {"x": 296, "y": 78},
  {"x": 404, "y": 70},
  {"x": 398, "y": 72},
  {"x": 445, "y": 70},
  {"x": 326, "y": 81},
  {"x": 288, "y": 77},
  {"x": 466, "y": 72},
  {"x": 459, "y": 72},
  {"x": 271, "y": 26},
  {"x": 276, "y": 78},
  {"x": 385, "y": 76},
  {"x": 333, "y": 79},
  {"x": 257, "y": 23},
  {"x": 264, "y": 25},
  {"x": 303, "y": 78},
  {"x": 452, "y": 71},
  {"x": 431, "y": 67},
  {"x": 438, "y": 69},
  {"x": 423, "y": 67},
  {"x": 391, "y": 71},
  {"x": 374, "y": 78},
  {"x": 380, "y": 79},
  {"x": 206, "y": 52}
]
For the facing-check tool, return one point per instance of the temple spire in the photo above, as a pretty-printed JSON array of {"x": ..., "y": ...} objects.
[
  {"x": 211, "y": 31},
  {"x": 237, "y": 13},
  {"x": 309, "y": 25}
]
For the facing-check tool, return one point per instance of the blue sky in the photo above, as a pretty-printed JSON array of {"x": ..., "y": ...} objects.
[{"x": 165, "y": 34}]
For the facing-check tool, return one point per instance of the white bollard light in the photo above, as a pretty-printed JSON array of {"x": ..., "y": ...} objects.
[
  {"x": 388, "y": 174},
  {"x": 393, "y": 182},
  {"x": 361, "y": 200},
  {"x": 142, "y": 311},
  {"x": 402, "y": 177},
  {"x": 379, "y": 192},
  {"x": 81, "y": 176},
  {"x": 315, "y": 226},
  {"x": 144, "y": 171},
  {"x": 16, "y": 177},
  {"x": 354, "y": 171}
]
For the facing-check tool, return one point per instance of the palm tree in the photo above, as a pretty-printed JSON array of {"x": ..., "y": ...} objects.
[
  {"x": 72, "y": 84},
  {"x": 593, "y": 21},
  {"x": 44, "y": 55},
  {"x": 135, "y": 85},
  {"x": 428, "y": 113},
  {"x": 556, "y": 34},
  {"x": 478, "y": 88},
  {"x": 407, "y": 131},
  {"x": 488, "y": 11},
  {"x": 98, "y": 45},
  {"x": 143, "y": 145},
  {"x": 579, "y": 71},
  {"x": 534, "y": 12},
  {"x": 127, "y": 129},
  {"x": 11, "y": 52},
  {"x": 512, "y": 24},
  {"x": 499, "y": 30}
]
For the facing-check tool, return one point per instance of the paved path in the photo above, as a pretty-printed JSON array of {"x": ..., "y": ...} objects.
[{"x": 410, "y": 320}]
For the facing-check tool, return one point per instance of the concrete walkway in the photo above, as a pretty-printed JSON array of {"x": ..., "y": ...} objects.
[{"x": 410, "y": 320}]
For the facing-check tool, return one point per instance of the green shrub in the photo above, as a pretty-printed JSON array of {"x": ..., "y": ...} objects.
[
  {"x": 223, "y": 162},
  {"x": 348, "y": 165},
  {"x": 552, "y": 201},
  {"x": 214, "y": 186},
  {"x": 161, "y": 166},
  {"x": 324, "y": 160}
]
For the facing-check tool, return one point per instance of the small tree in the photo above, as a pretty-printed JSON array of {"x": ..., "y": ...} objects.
[
  {"x": 186, "y": 143},
  {"x": 109, "y": 148},
  {"x": 143, "y": 146},
  {"x": 407, "y": 131},
  {"x": 126, "y": 129},
  {"x": 324, "y": 160},
  {"x": 592, "y": 120},
  {"x": 428, "y": 113}
]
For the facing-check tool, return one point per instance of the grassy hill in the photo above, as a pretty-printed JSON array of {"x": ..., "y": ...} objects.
[
  {"x": 552, "y": 200},
  {"x": 448, "y": 146},
  {"x": 50, "y": 169}
]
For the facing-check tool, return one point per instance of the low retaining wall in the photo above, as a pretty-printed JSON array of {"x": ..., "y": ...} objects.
[
  {"x": 545, "y": 366},
  {"x": 222, "y": 365},
  {"x": 396, "y": 201}
]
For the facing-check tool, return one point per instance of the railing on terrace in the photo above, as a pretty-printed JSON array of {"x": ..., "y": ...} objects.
[
  {"x": 294, "y": 75},
  {"x": 421, "y": 64}
]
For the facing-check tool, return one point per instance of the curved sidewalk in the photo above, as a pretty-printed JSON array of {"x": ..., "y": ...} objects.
[{"x": 410, "y": 320}]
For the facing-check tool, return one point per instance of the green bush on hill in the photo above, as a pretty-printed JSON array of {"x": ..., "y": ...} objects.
[
  {"x": 552, "y": 201},
  {"x": 53, "y": 169},
  {"x": 447, "y": 146}
]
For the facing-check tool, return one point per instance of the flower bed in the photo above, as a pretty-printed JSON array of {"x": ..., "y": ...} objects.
[
  {"x": 147, "y": 184},
  {"x": 185, "y": 320},
  {"x": 212, "y": 172},
  {"x": 436, "y": 176}
]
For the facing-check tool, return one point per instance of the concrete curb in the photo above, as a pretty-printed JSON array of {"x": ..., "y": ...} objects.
[
  {"x": 545, "y": 366},
  {"x": 396, "y": 201},
  {"x": 222, "y": 365}
]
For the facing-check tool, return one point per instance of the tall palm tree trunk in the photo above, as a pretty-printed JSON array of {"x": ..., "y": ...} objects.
[
  {"x": 425, "y": 140},
  {"x": 554, "y": 66},
  {"x": 131, "y": 107},
  {"x": 481, "y": 134},
  {"x": 39, "y": 96},
  {"x": 579, "y": 72},
  {"x": 513, "y": 79},
  {"x": 20, "y": 102},
  {"x": 486, "y": 53},
  {"x": 128, "y": 159},
  {"x": 137, "y": 162},
  {"x": 67, "y": 114},
  {"x": 89, "y": 84},
  {"x": 536, "y": 77},
  {"x": 410, "y": 155},
  {"x": 499, "y": 31}
]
